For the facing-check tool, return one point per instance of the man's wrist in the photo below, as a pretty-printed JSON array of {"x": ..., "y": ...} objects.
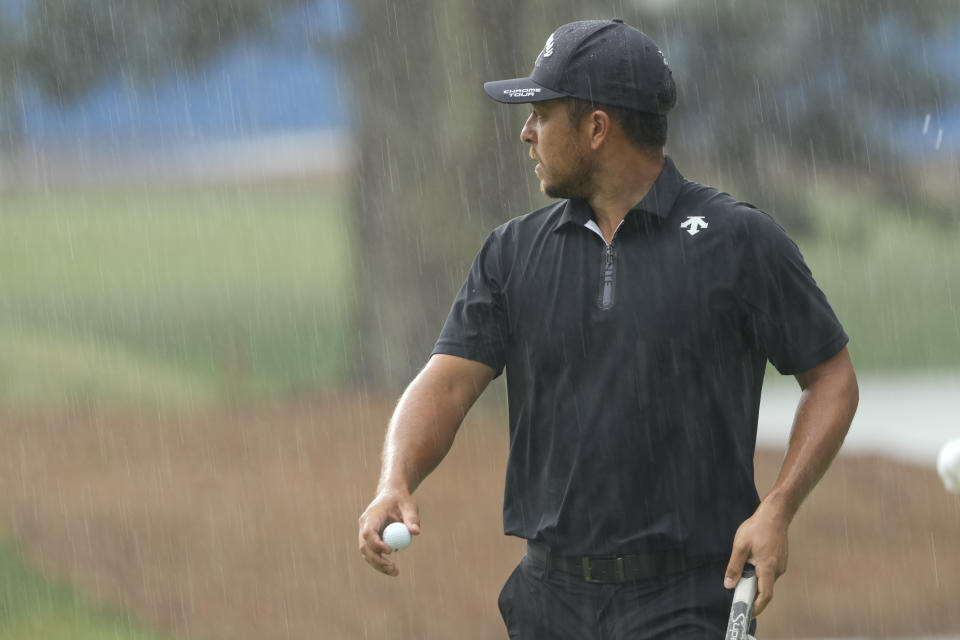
[
  {"x": 778, "y": 507},
  {"x": 393, "y": 486}
]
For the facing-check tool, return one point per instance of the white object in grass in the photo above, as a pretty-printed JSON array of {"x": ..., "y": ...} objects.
[{"x": 948, "y": 466}]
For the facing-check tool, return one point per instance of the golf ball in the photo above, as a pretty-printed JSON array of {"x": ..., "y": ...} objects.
[
  {"x": 948, "y": 466},
  {"x": 397, "y": 536}
]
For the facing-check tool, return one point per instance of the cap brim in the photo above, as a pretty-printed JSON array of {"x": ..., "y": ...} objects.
[{"x": 519, "y": 91}]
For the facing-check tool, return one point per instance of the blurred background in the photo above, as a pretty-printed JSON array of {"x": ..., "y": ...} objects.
[{"x": 230, "y": 231}]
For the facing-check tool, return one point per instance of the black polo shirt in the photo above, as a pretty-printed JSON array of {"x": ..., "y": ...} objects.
[{"x": 634, "y": 370}]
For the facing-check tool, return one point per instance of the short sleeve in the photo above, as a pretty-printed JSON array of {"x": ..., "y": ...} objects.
[
  {"x": 793, "y": 320},
  {"x": 476, "y": 325}
]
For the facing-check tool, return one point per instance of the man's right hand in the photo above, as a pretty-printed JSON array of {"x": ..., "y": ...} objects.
[{"x": 387, "y": 507}]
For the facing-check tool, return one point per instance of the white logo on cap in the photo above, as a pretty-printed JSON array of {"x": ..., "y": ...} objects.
[
  {"x": 522, "y": 93},
  {"x": 548, "y": 48}
]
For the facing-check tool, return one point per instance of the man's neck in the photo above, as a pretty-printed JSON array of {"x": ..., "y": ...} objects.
[{"x": 620, "y": 188}]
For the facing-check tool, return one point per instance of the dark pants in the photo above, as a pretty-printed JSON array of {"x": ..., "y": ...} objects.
[{"x": 538, "y": 603}]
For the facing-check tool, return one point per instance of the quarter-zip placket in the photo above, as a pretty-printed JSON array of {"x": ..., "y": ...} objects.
[
  {"x": 608, "y": 271},
  {"x": 608, "y": 266}
]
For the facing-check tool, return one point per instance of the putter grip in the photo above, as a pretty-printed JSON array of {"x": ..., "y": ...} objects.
[{"x": 741, "y": 611}]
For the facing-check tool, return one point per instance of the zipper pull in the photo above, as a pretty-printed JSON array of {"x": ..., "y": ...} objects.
[{"x": 607, "y": 278}]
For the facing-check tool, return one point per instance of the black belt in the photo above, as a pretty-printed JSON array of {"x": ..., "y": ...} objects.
[{"x": 612, "y": 569}]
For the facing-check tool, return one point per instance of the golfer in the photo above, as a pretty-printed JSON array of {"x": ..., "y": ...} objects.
[{"x": 634, "y": 317}]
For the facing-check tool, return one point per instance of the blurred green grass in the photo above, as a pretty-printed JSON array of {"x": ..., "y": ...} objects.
[
  {"x": 195, "y": 297},
  {"x": 892, "y": 277},
  {"x": 178, "y": 297},
  {"x": 35, "y": 608}
]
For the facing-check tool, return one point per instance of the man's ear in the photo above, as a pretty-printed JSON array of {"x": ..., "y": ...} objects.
[{"x": 600, "y": 125}]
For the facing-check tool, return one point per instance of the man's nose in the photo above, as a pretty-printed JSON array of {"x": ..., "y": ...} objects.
[{"x": 526, "y": 134}]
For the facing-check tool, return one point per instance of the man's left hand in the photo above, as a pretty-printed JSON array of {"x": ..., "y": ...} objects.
[{"x": 762, "y": 541}]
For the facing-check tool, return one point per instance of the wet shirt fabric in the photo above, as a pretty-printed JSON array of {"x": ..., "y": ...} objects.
[{"x": 634, "y": 370}]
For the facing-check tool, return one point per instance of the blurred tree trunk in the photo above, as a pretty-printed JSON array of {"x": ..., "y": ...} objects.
[
  {"x": 10, "y": 59},
  {"x": 440, "y": 164},
  {"x": 11, "y": 126}
]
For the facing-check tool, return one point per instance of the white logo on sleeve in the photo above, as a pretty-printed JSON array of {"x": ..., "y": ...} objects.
[
  {"x": 694, "y": 224},
  {"x": 548, "y": 48}
]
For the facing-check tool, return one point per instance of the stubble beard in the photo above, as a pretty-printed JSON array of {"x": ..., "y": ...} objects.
[{"x": 577, "y": 184}]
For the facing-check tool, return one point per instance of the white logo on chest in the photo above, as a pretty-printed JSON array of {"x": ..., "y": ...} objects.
[{"x": 694, "y": 224}]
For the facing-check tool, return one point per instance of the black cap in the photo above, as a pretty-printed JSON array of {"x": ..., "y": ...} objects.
[{"x": 604, "y": 61}]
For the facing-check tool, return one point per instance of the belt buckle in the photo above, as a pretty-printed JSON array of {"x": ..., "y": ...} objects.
[{"x": 588, "y": 571}]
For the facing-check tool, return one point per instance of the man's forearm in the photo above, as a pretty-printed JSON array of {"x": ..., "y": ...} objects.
[
  {"x": 426, "y": 421},
  {"x": 823, "y": 416}
]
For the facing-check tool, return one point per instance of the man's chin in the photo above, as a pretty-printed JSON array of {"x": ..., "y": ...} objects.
[
  {"x": 562, "y": 190},
  {"x": 552, "y": 191}
]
